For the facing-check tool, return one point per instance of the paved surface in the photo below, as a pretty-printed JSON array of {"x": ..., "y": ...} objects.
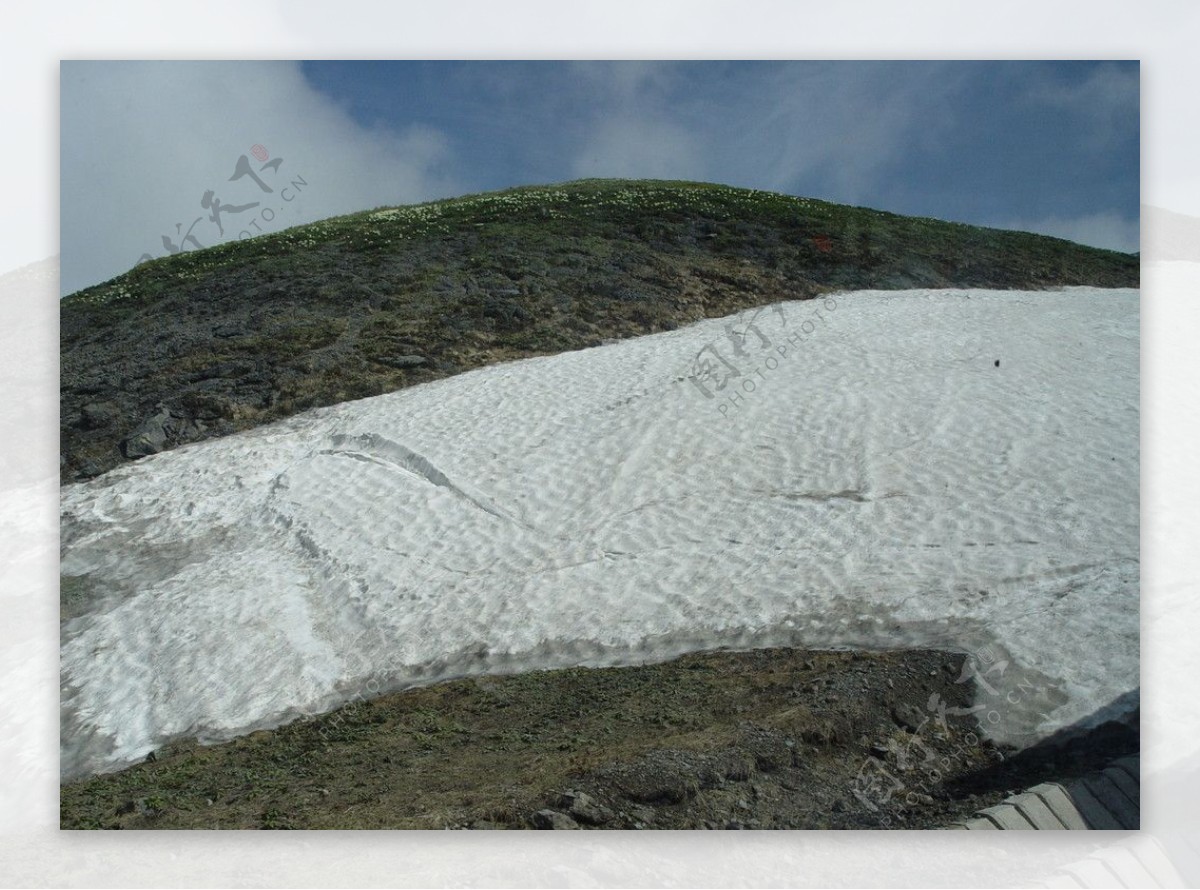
[{"x": 1107, "y": 800}]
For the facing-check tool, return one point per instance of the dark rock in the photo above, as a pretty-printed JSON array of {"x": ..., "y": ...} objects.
[
  {"x": 642, "y": 814},
  {"x": 552, "y": 820},
  {"x": 96, "y": 415},
  {"x": 150, "y": 437},
  {"x": 585, "y": 808},
  {"x": 140, "y": 806},
  {"x": 661, "y": 776},
  {"x": 145, "y": 808},
  {"x": 204, "y": 406},
  {"x": 908, "y": 716},
  {"x": 404, "y": 361}
]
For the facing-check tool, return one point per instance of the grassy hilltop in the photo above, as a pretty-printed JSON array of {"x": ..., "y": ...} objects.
[{"x": 210, "y": 342}]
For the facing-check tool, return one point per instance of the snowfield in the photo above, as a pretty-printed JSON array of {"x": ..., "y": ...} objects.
[{"x": 870, "y": 478}]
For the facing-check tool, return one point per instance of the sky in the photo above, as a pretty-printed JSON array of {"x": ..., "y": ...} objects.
[{"x": 149, "y": 149}]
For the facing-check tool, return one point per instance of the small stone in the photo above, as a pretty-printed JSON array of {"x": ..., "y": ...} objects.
[
  {"x": 149, "y": 438},
  {"x": 908, "y": 716},
  {"x": 642, "y": 814},
  {"x": 584, "y": 808}
]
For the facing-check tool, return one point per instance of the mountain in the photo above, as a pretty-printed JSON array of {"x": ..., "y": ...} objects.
[{"x": 207, "y": 343}]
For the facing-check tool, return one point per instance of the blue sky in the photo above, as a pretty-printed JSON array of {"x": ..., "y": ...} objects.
[
  {"x": 1043, "y": 146},
  {"x": 971, "y": 141}
]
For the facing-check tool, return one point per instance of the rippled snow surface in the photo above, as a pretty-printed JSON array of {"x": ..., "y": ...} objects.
[{"x": 882, "y": 484}]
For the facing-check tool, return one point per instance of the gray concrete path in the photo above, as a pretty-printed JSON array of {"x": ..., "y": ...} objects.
[{"x": 1106, "y": 800}]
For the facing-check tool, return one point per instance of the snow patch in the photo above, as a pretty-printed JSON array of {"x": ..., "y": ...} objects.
[{"x": 885, "y": 485}]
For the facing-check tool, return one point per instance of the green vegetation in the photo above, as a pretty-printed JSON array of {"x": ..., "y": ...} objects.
[{"x": 318, "y": 313}]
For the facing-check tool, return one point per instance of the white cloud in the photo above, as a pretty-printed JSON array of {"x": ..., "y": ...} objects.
[
  {"x": 632, "y": 130},
  {"x": 1104, "y": 102},
  {"x": 1108, "y": 230},
  {"x": 840, "y": 125},
  {"x": 143, "y": 141},
  {"x": 846, "y": 123}
]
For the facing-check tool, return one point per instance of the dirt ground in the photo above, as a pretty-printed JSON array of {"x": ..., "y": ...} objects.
[{"x": 764, "y": 739}]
